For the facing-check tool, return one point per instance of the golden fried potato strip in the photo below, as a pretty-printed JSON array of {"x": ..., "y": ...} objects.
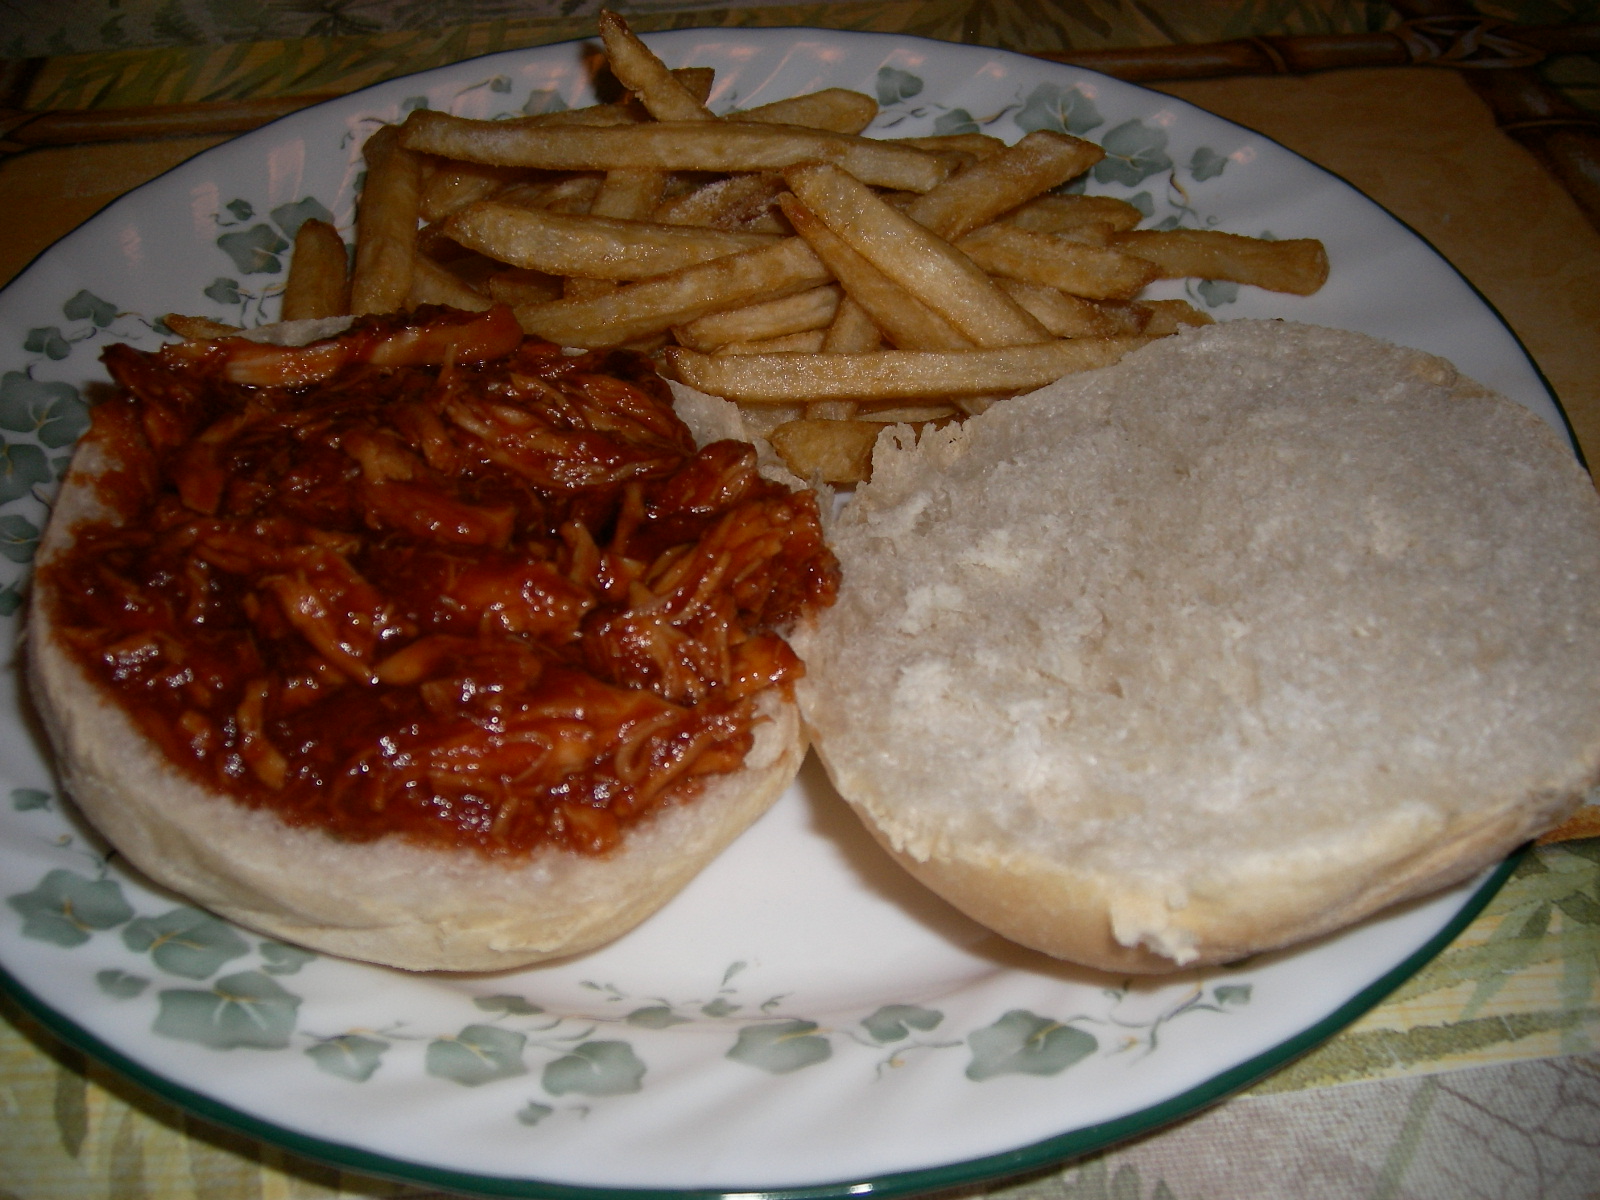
[
  {"x": 835, "y": 451},
  {"x": 386, "y": 224},
  {"x": 639, "y": 70},
  {"x": 805, "y": 311},
  {"x": 1296, "y": 265},
  {"x": 891, "y": 374},
  {"x": 835, "y": 109},
  {"x": 905, "y": 320},
  {"x": 318, "y": 283},
  {"x": 924, "y": 264},
  {"x": 853, "y": 330},
  {"x": 435, "y": 284},
  {"x": 673, "y": 146},
  {"x": 652, "y": 306},
  {"x": 591, "y": 247},
  {"x": 977, "y": 195},
  {"x": 1061, "y": 214},
  {"x": 1057, "y": 261}
]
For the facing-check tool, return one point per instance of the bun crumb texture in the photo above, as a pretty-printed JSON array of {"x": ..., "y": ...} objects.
[{"x": 1256, "y": 632}]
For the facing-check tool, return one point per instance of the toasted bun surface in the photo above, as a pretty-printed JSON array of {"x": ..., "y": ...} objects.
[
  {"x": 386, "y": 901},
  {"x": 1229, "y": 645}
]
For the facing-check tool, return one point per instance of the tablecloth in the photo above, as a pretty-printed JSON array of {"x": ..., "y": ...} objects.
[{"x": 1479, "y": 1077}]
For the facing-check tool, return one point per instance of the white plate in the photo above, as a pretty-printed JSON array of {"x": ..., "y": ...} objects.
[{"x": 804, "y": 1018}]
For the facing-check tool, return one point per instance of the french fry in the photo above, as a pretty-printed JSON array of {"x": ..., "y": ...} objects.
[
  {"x": 1097, "y": 272},
  {"x": 515, "y": 286},
  {"x": 891, "y": 374},
  {"x": 318, "y": 283},
  {"x": 1296, "y": 265},
  {"x": 1073, "y": 316},
  {"x": 639, "y": 70},
  {"x": 1061, "y": 214},
  {"x": 198, "y": 329},
  {"x": 853, "y": 331},
  {"x": 673, "y": 146},
  {"x": 1169, "y": 316},
  {"x": 591, "y": 247},
  {"x": 1040, "y": 161},
  {"x": 575, "y": 287},
  {"x": 570, "y": 194},
  {"x": 697, "y": 81},
  {"x": 434, "y": 284},
  {"x": 804, "y": 311},
  {"x": 905, "y": 320},
  {"x": 808, "y": 341},
  {"x": 634, "y": 192},
  {"x": 453, "y": 185},
  {"x": 909, "y": 414},
  {"x": 1090, "y": 233},
  {"x": 730, "y": 203},
  {"x": 592, "y": 115},
  {"x": 386, "y": 224},
  {"x": 835, "y": 451},
  {"x": 925, "y": 265},
  {"x": 835, "y": 109},
  {"x": 976, "y": 146},
  {"x": 652, "y": 306},
  {"x": 629, "y": 192}
]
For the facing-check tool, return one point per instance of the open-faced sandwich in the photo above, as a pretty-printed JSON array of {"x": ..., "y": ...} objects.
[{"x": 423, "y": 644}]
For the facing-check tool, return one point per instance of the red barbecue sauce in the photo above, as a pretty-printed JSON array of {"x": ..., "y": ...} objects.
[{"x": 435, "y": 580}]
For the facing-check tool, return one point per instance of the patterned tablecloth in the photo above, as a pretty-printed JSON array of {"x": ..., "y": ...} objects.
[{"x": 1479, "y": 1077}]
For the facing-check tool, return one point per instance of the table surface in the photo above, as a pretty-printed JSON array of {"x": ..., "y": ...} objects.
[{"x": 1480, "y": 1077}]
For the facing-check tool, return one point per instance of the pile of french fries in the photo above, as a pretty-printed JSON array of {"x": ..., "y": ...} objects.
[{"x": 825, "y": 281}]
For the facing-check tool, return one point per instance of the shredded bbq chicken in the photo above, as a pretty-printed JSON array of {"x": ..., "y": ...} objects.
[{"x": 434, "y": 580}]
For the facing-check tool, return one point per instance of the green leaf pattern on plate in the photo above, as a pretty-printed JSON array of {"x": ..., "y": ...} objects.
[
  {"x": 185, "y": 941},
  {"x": 259, "y": 249},
  {"x": 39, "y": 415},
  {"x": 477, "y": 1055},
  {"x": 895, "y": 85},
  {"x": 781, "y": 1047},
  {"x": 25, "y": 799},
  {"x": 278, "y": 958},
  {"x": 120, "y": 984},
  {"x": 23, "y": 466},
  {"x": 595, "y": 1069},
  {"x": 893, "y": 1022},
  {"x": 53, "y": 412},
  {"x": 248, "y": 1010},
  {"x": 352, "y": 1056},
  {"x": 66, "y": 909},
  {"x": 1058, "y": 109},
  {"x": 1023, "y": 1043},
  {"x": 1134, "y": 152},
  {"x": 254, "y": 251},
  {"x": 289, "y": 217}
]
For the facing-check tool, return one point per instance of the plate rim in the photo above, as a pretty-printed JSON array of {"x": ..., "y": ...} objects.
[{"x": 1055, "y": 1150}]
